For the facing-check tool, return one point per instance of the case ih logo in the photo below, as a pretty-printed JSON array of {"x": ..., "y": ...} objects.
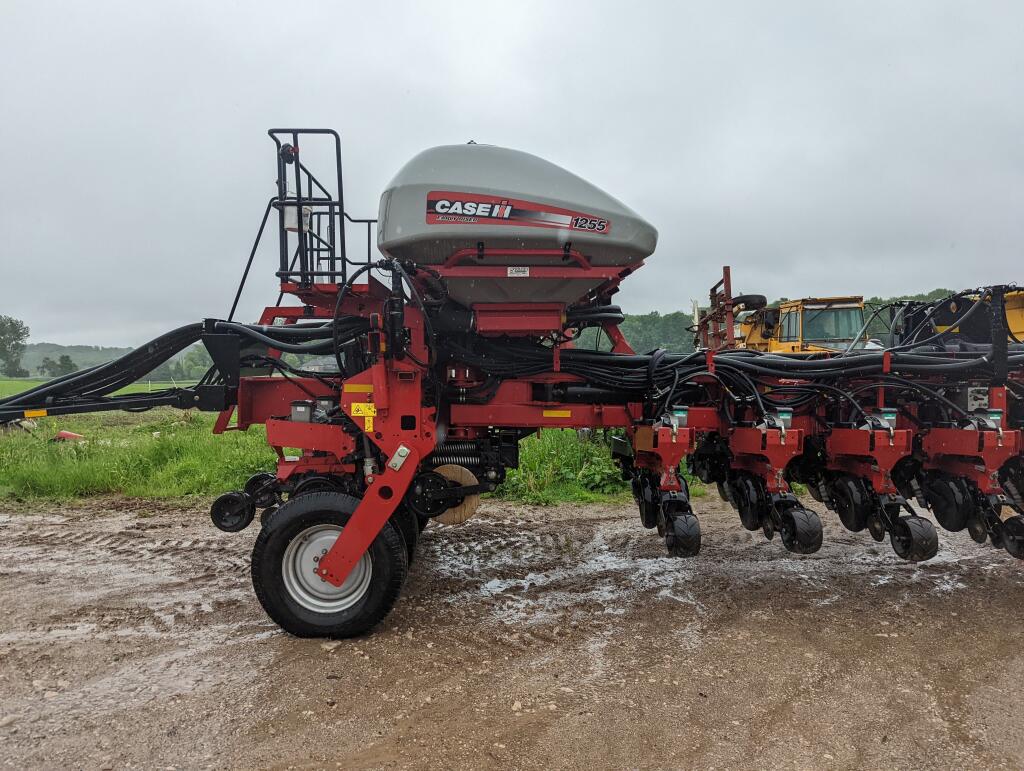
[
  {"x": 448, "y": 208},
  {"x": 500, "y": 210}
]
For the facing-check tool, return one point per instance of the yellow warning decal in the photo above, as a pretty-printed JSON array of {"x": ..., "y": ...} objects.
[
  {"x": 369, "y": 423},
  {"x": 35, "y": 413},
  {"x": 557, "y": 413},
  {"x": 358, "y": 388},
  {"x": 364, "y": 410}
]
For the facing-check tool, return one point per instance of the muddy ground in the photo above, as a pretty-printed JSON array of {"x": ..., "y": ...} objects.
[{"x": 531, "y": 638}]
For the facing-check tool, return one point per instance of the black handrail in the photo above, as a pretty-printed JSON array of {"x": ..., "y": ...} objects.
[{"x": 315, "y": 246}]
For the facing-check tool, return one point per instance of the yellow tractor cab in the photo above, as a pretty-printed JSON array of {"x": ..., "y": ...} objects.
[
  {"x": 806, "y": 325},
  {"x": 793, "y": 326},
  {"x": 819, "y": 324}
]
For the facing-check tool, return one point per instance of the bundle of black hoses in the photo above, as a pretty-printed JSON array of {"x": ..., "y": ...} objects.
[
  {"x": 593, "y": 315},
  {"x": 95, "y": 385},
  {"x": 662, "y": 376},
  {"x": 104, "y": 379}
]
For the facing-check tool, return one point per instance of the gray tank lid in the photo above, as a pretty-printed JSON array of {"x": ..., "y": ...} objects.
[{"x": 432, "y": 208}]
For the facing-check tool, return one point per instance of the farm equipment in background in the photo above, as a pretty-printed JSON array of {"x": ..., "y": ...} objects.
[
  {"x": 459, "y": 342},
  {"x": 959, "y": 321},
  {"x": 792, "y": 326}
]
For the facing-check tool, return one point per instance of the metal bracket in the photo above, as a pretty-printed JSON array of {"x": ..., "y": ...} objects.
[{"x": 398, "y": 459}]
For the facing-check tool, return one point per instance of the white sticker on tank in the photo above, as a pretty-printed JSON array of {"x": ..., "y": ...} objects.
[{"x": 518, "y": 271}]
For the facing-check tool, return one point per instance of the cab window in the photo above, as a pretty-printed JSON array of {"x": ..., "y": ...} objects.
[{"x": 789, "y": 326}]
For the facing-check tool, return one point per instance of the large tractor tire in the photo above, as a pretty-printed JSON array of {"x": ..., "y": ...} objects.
[
  {"x": 750, "y": 302},
  {"x": 285, "y": 557}
]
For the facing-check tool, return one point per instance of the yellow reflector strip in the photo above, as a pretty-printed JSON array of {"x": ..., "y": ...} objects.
[
  {"x": 35, "y": 413},
  {"x": 358, "y": 388},
  {"x": 557, "y": 413},
  {"x": 364, "y": 409}
]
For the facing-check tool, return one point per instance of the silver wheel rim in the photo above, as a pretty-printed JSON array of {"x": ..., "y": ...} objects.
[{"x": 298, "y": 569}]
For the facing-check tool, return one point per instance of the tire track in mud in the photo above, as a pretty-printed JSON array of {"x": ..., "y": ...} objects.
[
  {"x": 225, "y": 556},
  {"x": 501, "y": 585},
  {"x": 142, "y": 586},
  {"x": 159, "y": 631}
]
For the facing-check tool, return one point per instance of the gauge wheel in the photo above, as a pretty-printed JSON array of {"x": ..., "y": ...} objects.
[{"x": 284, "y": 561}]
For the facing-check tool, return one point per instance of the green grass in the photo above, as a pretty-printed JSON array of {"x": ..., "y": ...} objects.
[
  {"x": 11, "y": 386},
  {"x": 168, "y": 453},
  {"x": 164, "y": 453},
  {"x": 556, "y": 466}
]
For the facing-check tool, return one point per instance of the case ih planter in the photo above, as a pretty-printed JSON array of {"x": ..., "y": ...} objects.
[{"x": 458, "y": 340}]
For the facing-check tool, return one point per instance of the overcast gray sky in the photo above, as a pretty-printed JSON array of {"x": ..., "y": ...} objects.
[{"x": 818, "y": 148}]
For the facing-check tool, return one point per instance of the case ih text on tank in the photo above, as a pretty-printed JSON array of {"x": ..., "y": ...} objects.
[{"x": 457, "y": 341}]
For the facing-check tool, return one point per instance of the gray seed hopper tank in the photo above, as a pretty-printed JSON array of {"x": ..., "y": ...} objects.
[{"x": 452, "y": 199}]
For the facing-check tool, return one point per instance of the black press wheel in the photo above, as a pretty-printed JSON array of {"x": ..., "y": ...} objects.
[
  {"x": 722, "y": 492},
  {"x": 914, "y": 539},
  {"x": 800, "y": 530},
  {"x": 751, "y": 502},
  {"x": 852, "y": 502},
  {"x": 284, "y": 561},
  {"x": 950, "y": 502},
  {"x": 1013, "y": 536},
  {"x": 682, "y": 535}
]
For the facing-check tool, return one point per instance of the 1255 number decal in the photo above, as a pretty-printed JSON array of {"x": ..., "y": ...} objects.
[{"x": 590, "y": 223}]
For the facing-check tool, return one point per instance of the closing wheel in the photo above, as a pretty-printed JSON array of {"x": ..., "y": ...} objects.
[
  {"x": 995, "y": 534},
  {"x": 914, "y": 539},
  {"x": 262, "y": 489},
  {"x": 977, "y": 529},
  {"x": 877, "y": 527},
  {"x": 751, "y": 501},
  {"x": 682, "y": 536},
  {"x": 800, "y": 530},
  {"x": 1013, "y": 536},
  {"x": 232, "y": 512},
  {"x": 284, "y": 561},
  {"x": 722, "y": 492},
  {"x": 313, "y": 484},
  {"x": 950, "y": 501},
  {"x": 852, "y": 502}
]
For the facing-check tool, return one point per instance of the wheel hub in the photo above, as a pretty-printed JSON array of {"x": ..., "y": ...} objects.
[{"x": 298, "y": 570}]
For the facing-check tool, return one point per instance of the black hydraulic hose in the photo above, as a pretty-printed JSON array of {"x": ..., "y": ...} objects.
[
  {"x": 949, "y": 330},
  {"x": 932, "y": 311},
  {"x": 337, "y": 311},
  {"x": 843, "y": 395},
  {"x": 111, "y": 376},
  {"x": 280, "y": 345},
  {"x": 428, "y": 327},
  {"x": 933, "y": 394},
  {"x": 864, "y": 328}
]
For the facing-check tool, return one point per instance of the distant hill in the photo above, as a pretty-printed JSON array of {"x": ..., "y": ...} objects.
[
  {"x": 82, "y": 355},
  {"x": 189, "y": 364}
]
